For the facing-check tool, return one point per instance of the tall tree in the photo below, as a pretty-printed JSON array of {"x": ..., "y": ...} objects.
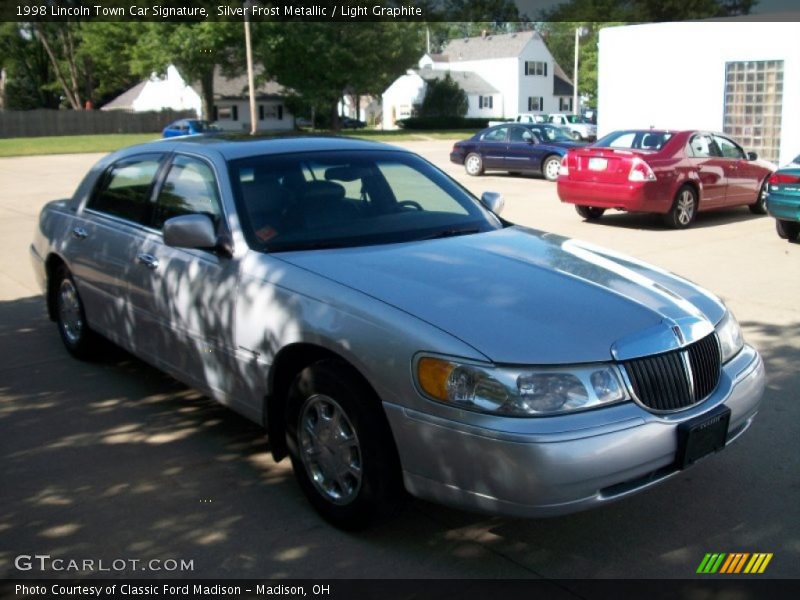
[{"x": 28, "y": 71}]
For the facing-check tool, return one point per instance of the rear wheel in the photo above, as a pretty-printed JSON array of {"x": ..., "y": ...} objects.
[
  {"x": 590, "y": 213},
  {"x": 550, "y": 167},
  {"x": 473, "y": 164},
  {"x": 683, "y": 210},
  {"x": 341, "y": 447},
  {"x": 788, "y": 230},
  {"x": 78, "y": 338},
  {"x": 759, "y": 207}
]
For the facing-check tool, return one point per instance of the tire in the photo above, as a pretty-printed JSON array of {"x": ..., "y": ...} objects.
[
  {"x": 683, "y": 210},
  {"x": 759, "y": 207},
  {"x": 550, "y": 167},
  {"x": 788, "y": 230},
  {"x": 473, "y": 164},
  {"x": 590, "y": 213},
  {"x": 78, "y": 338},
  {"x": 341, "y": 447},
  {"x": 576, "y": 135}
]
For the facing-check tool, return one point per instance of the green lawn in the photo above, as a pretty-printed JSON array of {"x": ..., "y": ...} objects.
[{"x": 70, "y": 144}]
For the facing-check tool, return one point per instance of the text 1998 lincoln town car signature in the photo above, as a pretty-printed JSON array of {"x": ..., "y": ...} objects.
[{"x": 390, "y": 331}]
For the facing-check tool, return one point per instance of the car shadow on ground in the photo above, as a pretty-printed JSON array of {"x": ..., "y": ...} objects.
[
  {"x": 115, "y": 460},
  {"x": 654, "y": 222}
]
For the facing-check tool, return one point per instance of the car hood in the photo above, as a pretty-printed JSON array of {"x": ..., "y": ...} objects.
[{"x": 520, "y": 296}]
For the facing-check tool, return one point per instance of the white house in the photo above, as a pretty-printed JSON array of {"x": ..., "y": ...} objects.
[
  {"x": 232, "y": 104},
  {"x": 735, "y": 76},
  {"x": 502, "y": 75},
  {"x": 158, "y": 93}
]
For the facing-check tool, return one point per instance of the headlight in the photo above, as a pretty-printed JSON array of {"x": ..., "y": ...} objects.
[
  {"x": 730, "y": 336},
  {"x": 519, "y": 392}
]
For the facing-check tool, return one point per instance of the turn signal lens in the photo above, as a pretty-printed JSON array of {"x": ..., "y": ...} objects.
[
  {"x": 564, "y": 168},
  {"x": 433, "y": 374},
  {"x": 779, "y": 178},
  {"x": 641, "y": 171}
]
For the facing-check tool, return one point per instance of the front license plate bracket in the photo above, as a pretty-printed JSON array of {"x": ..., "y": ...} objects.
[{"x": 702, "y": 436}]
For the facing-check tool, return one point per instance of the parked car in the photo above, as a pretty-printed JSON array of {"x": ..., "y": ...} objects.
[
  {"x": 783, "y": 200},
  {"x": 389, "y": 330},
  {"x": 189, "y": 127},
  {"x": 350, "y": 123},
  {"x": 514, "y": 148},
  {"x": 673, "y": 173},
  {"x": 531, "y": 118},
  {"x": 580, "y": 127}
]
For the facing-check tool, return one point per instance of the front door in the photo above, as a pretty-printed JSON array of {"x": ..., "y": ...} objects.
[
  {"x": 522, "y": 153},
  {"x": 706, "y": 159},
  {"x": 743, "y": 177}
]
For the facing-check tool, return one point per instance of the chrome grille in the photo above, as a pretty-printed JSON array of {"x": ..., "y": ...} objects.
[{"x": 677, "y": 379}]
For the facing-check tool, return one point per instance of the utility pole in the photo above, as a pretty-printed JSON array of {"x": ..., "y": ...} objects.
[{"x": 250, "y": 76}]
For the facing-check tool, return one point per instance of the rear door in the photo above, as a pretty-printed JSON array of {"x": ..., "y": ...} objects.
[
  {"x": 185, "y": 297},
  {"x": 101, "y": 247},
  {"x": 743, "y": 176},
  {"x": 711, "y": 169}
]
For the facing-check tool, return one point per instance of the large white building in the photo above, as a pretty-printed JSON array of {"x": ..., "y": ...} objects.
[
  {"x": 502, "y": 75},
  {"x": 738, "y": 77},
  {"x": 159, "y": 92}
]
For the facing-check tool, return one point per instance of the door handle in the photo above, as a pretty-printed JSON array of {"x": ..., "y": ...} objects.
[
  {"x": 148, "y": 260},
  {"x": 79, "y": 233}
]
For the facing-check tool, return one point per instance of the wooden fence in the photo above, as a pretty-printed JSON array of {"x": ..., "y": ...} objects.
[{"x": 40, "y": 122}]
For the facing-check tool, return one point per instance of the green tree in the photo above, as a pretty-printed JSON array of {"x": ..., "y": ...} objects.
[
  {"x": 318, "y": 61},
  {"x": 444, "y": 98},
  {"x": 27, "y": 68}
]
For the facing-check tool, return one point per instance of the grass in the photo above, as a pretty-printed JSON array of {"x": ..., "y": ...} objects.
[
  {"x": 77, "y": 144},
  {"x": 72, "y": 144}
]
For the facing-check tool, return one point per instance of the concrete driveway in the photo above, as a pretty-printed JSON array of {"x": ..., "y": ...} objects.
[{"x": 114, "y": 460}]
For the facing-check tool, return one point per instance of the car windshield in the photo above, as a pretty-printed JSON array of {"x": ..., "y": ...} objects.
[
  {"x": 635, "y": 140},
  {"x": 355, "y": 198},
  {"x": 577, "y": 119},
  {"x": 550, "y": 133}
]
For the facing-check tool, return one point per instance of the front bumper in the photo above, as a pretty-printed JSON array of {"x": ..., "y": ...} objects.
[{"x": 560, "y": 464}]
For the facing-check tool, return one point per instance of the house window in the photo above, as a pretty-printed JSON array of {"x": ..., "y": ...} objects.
[
  {"x": 535, "y": 103},
  {"x": 536, "y": 67},
  {"x": 753, "y": 105},
  {"x": 485, "y": 101},
  {"x": 227, "y": 113},
  {"x": 272, "y": 111},
  {"x": 565, "y": 103}
]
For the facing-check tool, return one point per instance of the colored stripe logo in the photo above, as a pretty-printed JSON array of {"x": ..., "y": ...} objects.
[{"x": 734, "y": 563}]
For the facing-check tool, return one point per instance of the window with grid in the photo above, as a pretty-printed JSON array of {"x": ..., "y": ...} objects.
[
  {"x": 536, "y": 67},
  {"x": 484, "y": 101},
  {"x": 535, "y": 103},
  {"x": 753, "y": 105}
]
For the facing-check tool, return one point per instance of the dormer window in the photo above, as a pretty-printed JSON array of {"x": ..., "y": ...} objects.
[{"x": 536, "y": 67}]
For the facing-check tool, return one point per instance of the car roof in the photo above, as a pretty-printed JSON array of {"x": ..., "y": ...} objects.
[{"x": 232, "y": 146}]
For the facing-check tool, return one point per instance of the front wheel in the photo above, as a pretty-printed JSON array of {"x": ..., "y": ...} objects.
[
  {"x": 684, "y": 209},
  {"x": 788, "y": 230},
  {"x": 551, "y": 167},
  {"x": 759, "y": 207},
  {"x": 473, "y": 164},
  {"x": 341, "y": 446},
  {"x": 78, "y": 338},
  {"x": 590, "y": 213}
]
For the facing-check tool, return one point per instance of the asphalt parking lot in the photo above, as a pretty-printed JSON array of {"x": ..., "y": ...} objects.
[{"x": 115, "y": 460}]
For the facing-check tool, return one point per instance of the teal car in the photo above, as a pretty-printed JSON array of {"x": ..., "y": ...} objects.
[{"x": 783, "y": 200}]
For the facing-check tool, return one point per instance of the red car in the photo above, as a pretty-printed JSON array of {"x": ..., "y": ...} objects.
[{"x": 674, "y": 173}]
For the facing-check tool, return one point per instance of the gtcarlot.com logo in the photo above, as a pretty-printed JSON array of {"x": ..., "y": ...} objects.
[{"x": 734, "y": 563}]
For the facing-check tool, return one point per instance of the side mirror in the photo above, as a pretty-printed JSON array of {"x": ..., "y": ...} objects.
[
  {"x": 493, "y": 201},
  {"x": 752, "y": 156},
  {"x": 190, "y": 231}
]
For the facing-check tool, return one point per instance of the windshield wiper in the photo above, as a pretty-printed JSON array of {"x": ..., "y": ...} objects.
[{"x": 450, "y": 233}]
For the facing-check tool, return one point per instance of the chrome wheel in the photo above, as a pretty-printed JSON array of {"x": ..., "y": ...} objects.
[
  {"x": 69, "y": 312},
  {"x": 473, "y": 164},
  {"x": 551, "y": 168},
  {"x": 330, "y": 450},
  {"x": 685, "y": 207}
]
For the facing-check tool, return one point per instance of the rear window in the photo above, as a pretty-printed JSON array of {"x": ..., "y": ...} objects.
[{"x": 635, "y": 140}]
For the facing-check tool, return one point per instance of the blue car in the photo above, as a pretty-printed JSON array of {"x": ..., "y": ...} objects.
[
  {"x": 783, "y": 200},
  {"x": 516, "y": 148},
  {"x": 188, "y": 127}
]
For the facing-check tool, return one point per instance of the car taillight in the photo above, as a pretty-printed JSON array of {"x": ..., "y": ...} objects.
[
  {"x": 564, "y": 168},
  {"x": 778, "y": 178},
  {"x": 641, "y": 171}
]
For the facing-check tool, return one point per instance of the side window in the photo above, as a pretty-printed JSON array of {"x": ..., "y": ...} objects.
[
  {"x": 519, "y": 134},
  {"x": 189, "y": 188},
  {"x": 124, "y": 190},
  {"x": 703, "y": 146},
  {"x": 496, "y": 135},
  {"x": 728, "y": 148}
]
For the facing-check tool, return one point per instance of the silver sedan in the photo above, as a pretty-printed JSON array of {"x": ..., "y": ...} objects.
[{"x": 390, "y": 331}]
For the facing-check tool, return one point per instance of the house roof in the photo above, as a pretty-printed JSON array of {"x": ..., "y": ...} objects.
[
  {"x": 489, "y": 46},
  {"x": 125, "y": 100},
  {"x": 229, "y": 88},
  {"x": 562, "y": 86},
  {"x": 470, "y": 82}
]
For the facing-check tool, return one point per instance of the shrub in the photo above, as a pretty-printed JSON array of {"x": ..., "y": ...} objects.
[{"x": 432, "y": 123}]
